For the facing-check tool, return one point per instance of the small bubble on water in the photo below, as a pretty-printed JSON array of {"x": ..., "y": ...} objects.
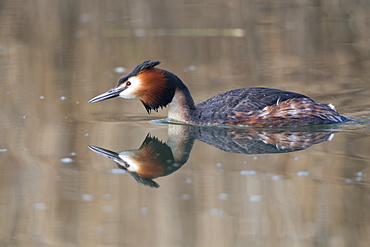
[
  {"x": 188, "y": 181},
  {"x": 296, "y": 158},
  {"x": 217, "y": 212},
  {"x": 39, "y": 206},
  {"x": 255, "y": 198},
  {"x": 251, "y": 172},
  {"x": 87, "y": 197},
  {"x": 120, "y": 70},
  {"x": 303, "y": 174},
  {"x": 192, "y": 67},
  {"x": 276, "y": 177},
  {"x": 73, "y": 154},
  {"x": 87, "y": 134},
  {"x": 223, "y": 196},
  {"x": 185, "y": 197},
  {"x": 255, "y": 158},
  {"x": 3, "y": 150},
  {"x": 144, "y": 210},
  {"x": 117, "y": 171},
  {"x": 140, "y": 32},
  {"x": 218, "y": 164},
  {"x": 63, "y": 98},
  {"x": 24, "y": 117},
  {"x": 7, "y": 92},
  {"x": 360, "y": 174},
  {"x": 66, "y": 160}
]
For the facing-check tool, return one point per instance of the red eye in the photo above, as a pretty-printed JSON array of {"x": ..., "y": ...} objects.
[{"x": 128, "y": 83}]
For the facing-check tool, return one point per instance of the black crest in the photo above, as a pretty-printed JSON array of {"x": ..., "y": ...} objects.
[
  {"x": 143, "y": 66},
  {"x": 140, "y": 67}
]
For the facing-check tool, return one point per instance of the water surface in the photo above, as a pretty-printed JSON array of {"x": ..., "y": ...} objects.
[{"x": 218, "y": 186}]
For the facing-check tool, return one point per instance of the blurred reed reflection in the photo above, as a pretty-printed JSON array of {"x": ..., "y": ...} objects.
[{"x": 155, "y": 158}]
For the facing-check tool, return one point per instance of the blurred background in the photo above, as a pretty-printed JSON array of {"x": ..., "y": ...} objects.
[{"x": 56, "y": 55}]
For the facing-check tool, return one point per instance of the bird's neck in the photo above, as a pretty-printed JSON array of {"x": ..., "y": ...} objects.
[{"x": 182, "y": 105}]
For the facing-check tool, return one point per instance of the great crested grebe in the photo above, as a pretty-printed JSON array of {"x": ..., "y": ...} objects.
[{"x": 259, "y": 107}]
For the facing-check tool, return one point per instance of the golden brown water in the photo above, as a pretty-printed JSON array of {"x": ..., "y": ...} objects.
[{"x": 56, "y": 55}]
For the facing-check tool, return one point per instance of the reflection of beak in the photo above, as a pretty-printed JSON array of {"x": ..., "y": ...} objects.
[
  {"x": 107, "y": 153},
  {"x": 107, "y": 95}
]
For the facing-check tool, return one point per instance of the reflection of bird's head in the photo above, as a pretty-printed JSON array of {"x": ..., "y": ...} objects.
[
  {"x": 154, "y": 87},
  {"x": 153, "y": 159}
]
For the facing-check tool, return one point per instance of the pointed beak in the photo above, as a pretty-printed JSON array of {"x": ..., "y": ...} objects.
[
  {"x": 105, "y": 152},
  {"x": 107, "y": 95}
]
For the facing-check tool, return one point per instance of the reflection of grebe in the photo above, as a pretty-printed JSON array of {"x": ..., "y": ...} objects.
[
  {"x": 153, "y": 159},
  {"x": 260, "y": 107},
  {"x": 156, "y": 159}
]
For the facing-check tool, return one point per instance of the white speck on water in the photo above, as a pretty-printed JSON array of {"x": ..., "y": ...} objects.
[
  {"x": 63, "y": 98},
  {"x": 140, "y": 32},
  {"x": 359, "y": 179},
  {"x": 108, "y": 208},
  {"x": 25, "y": 149},
  {"x": 24, "y": 117},
  {"x": 42, "y": 97},
  {"x": 218, "y": 164},
  {"x": 85, "y": 17},
  {"x": 255, "y": 158},
  {"x": 348, "y": 181},
  {"x": 120, "y": 70},
  {"x": 185, "y": 197},
  {"x": 7, "y": 92},
  {"x": 87, "y": 134},
  {"x": 223, "y": 196},
  {"x": 360, "y": 174},
  {"x": 192, "y": 67},
  {"x": 296, "y": 158},
  {"x": 175, "y": 164},
  {"x": 144, "y": 210},
  {"x": 107, "y": 197},
  {"x": 73, "y": 154},
  {"x": 66, "y": 160},
  {"x": 3, "y": 150},
  {"x": 276, "y": 177},
  {"x": 39, "y": 206},
  {"x": 87, "y": 197},
  {"x": 189, "y": 181},
  {"x": 251, "y": 172},
  {"x": 117, "y": 171},
  {"x": 303, "y": 174},
  {"x": 255, "y": 198},
  {"x": 217, "y": 212}
]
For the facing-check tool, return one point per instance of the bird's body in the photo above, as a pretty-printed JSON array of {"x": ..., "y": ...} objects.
[{"x": 258, "y": 107}]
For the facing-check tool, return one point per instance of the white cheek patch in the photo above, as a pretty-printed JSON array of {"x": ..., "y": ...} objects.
[
  {"x": 126, "y": 156},
  {"x": 131, "y": 92}
]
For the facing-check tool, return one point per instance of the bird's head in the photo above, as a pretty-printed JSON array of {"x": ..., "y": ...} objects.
[{"x": 154, "y": 87}]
